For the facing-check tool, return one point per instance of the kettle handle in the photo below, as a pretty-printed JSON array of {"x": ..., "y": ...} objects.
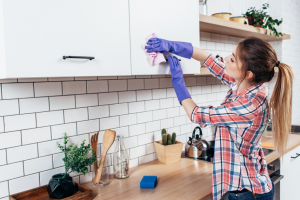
[{"x": 197, "y": 127}]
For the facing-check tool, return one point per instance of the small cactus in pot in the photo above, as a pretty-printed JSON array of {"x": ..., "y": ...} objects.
[{"x": 167, "y": 139}]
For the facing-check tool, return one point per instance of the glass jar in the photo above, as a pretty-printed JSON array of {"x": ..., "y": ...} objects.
[
  {"x": 104, "y": 179},
  {"x": 120, "y": 159},
  {"x": 203, "y": 7}
]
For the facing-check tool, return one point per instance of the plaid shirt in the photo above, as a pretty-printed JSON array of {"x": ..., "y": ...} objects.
[{"x": 239, "y": 161}]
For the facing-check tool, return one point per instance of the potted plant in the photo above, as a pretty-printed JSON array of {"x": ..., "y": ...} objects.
[
  {"x": 168, "y": 150},
  {"x": 76, "y": 160},
  {"x": 260, "y": 18}
]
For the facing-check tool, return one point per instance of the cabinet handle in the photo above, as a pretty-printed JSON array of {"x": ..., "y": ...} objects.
[
  {"x": 296, "y": 156},
  {"x": 80, "y": 57}
]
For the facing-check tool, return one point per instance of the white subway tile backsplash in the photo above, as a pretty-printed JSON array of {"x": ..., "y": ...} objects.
[
  {"x": 144, "y": 117},
  {"x": 211, "y": 45},
  {"x": 137, "y": 129},
  {"x": 145, "y": 159},
  {"x": 62, "y": 102},
  {"x": 172, "y": 112},
  {"x": 98, "y": 112},
  {"x": 159, "y": 93},
  {"x": 38, "y": 165},
  {"x": 74, "y": 87},
  {"x": 74, "y": 115},
  {"x": 130, "y": 142},
  {"x": 153, "y": 126},
  {"x": 224, "y": 88},
  {"x": 50, "y": 118},
  {"x": 59, "y": 130},
  {"x": 196, "y": 90},
  {"x": 2, "y": 157},
  {"x": 179, "y": 120},
  {"x": 86, "y": 100},
  {"x": 118, "y": 109},
  {"x": 127, "y": 96},
  {"x": 20, "y": 153},
  {"x": 9, "y": 107},
  {"x": 137, "y": 152},
  {"x": 4, "y": 189},
  {"x": 186, "y": 129},
  {"x": 88, "y": 126},
  {"x": 136, "y": 107},
  {"x": 97, "y": 86},
  {"x": 24, "y": 183},
  {"x": 17, "y": 90},
  {"x": 151, "y": 83},
  {"x": 108, "y": 98},
  {"x": 206, "y": 89},
  {"x": 49, "y": 147},
  {"x": 166, "y": 103},
  {"x": 159, "y": 114},
  {"x": 152, "y": 105},
  {"x": 117, "y": 85},
  {"x": 126, "y": 120},
  {"x": 144, "y": 95},
  {"x": 132, "y": 163},
  {"x": 202, "y": 98},
  {"x": 36, "y": 135},
  {"x": 10, "y": 139},
  {"x": 220, "y": 46},
  {"x": 166, "y": 123},
  {"x": 46, "y": 175},
  {"x": 11, "y": 171},
  {"x": 202, "y": 44},
  {"x": 34, "y": 105},
  {"x": 165, "y": 82},
  {"x": 48, "y": 89},
  {"x": 57, "y": 160},
  {"x": 215, "y": 88},
  {"x": 122, "y": 131},
  {"x": 19, "y": 122},
  {"x": 136, "y": 84},
  {"x": 212, "y": 97},
  {"x": 1, "y": 124},
  {"x": 228, "y": 47},
  {"x": 150, "y": 148},
  {"x": 109, "y": 122},
  {"x": 145, "y": 138},
  {"x": 171, "y": 92}
]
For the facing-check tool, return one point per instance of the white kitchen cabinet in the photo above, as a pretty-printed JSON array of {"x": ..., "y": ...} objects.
[
  {"x": 36, "y": 34},
  {"x": 290, "y": 169},
  {"x": 176, "y": 20}
]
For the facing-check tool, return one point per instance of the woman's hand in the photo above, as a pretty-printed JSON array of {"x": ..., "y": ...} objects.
[
  {"x": 182, "y": 49},
  {"x": 177, "y": 79}
]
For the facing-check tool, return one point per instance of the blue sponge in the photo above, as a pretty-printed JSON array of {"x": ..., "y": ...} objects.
[{"x": 148, "y": 182}]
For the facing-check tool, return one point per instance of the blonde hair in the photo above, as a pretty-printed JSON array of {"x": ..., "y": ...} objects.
[{"x": 260, "y": 58}]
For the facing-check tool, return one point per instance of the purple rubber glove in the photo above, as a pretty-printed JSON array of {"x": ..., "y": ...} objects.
[
  {"x": 182, "y": 49},
  {"x": 177, "y": 79}
]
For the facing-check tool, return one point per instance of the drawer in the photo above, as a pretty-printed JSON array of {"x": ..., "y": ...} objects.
[{"x": 37, "y": 34}]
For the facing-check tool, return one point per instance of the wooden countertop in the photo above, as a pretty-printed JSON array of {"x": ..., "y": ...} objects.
[{"x": 188, "y": 179}]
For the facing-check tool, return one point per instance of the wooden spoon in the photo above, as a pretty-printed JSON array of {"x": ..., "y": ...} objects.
[
  {"x": 108, "y": 140},
  {"x": 94, "y": 142}
]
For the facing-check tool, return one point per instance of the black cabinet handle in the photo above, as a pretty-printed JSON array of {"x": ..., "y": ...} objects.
[
  {"x": 80, "y": 57},
  {"x": 296, "y": 156}
]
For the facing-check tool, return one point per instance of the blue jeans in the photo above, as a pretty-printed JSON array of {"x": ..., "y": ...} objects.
[{"x": 247, "y": 195}]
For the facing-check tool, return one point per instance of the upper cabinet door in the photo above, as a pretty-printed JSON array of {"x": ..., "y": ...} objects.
[
  {"x": 36, "y": 34},
  {"x": 176, "y": 20}
]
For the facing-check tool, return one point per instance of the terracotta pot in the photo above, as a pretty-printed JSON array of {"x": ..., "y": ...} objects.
[
  {"x": 224, "y": 15},
  {"x": 249, "y": 21},
  {"x": 168, "y": 154}
]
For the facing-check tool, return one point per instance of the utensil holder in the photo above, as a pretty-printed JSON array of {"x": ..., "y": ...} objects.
[{"x": 104, "y": 180}]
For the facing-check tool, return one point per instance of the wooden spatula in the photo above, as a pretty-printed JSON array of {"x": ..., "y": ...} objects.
[
  {"x": 108, "y": 140},
  {"x": 94, "y": 142}
]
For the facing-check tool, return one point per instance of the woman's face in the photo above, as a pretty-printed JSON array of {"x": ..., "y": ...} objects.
[{"x": 232, "y": 68}]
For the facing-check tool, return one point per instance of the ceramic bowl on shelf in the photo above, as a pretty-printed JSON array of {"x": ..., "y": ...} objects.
[
  {"x": 223, "y": 15},
  {"x": 238, "y": 19}
]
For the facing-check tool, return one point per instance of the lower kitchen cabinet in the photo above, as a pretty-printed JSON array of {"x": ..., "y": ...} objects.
[{"x": 290, "y": 169}]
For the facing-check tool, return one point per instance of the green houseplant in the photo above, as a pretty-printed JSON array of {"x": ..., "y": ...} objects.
[
  {"x": 76, "y": 160},
  {"x": 260, "y": 18}
]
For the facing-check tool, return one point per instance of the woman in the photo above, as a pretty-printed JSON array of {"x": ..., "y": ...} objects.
[{"x": 239, "y": 166}]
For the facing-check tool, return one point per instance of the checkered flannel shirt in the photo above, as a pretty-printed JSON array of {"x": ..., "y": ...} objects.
[{"x": 239, "y": 161}]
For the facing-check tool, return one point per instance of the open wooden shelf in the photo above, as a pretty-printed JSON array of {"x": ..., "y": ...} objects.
[{"x": 226, "y": 27}]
